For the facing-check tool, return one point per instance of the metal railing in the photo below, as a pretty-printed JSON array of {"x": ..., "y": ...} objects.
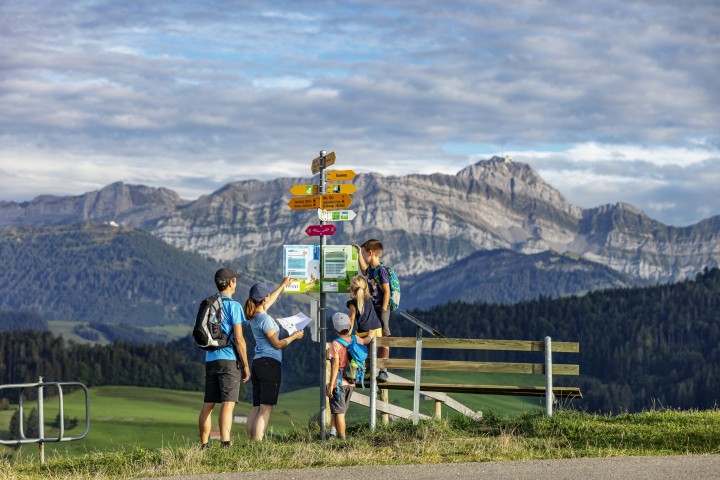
[{"x": 41, "y": 440}]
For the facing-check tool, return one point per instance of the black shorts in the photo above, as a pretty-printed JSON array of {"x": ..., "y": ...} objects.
[
  {"x": 222, "y": 381},
  {"x": 265, "y": 374}
]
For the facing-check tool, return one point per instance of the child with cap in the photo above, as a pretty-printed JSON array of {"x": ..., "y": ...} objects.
[
  {"x": 340, "y": 398},
  {"x": 266, "y": 369}
]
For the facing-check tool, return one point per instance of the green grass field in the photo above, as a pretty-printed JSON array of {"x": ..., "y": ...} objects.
[
  {"x": 67, "y": 330},
  {"x": 154, "y": 418}
]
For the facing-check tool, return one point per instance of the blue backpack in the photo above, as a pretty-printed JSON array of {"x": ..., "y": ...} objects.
[
  {"x": 394, "y": 302},
  {"x": 354, "y": 371}
]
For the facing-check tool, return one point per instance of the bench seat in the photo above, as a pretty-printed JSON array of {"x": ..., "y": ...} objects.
[{"x": 559, "y": 392}]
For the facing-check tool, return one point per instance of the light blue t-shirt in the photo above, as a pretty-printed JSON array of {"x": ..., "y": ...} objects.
[
  {"x": 232, "y": 315},
  {"x": 260, "y": 325}
]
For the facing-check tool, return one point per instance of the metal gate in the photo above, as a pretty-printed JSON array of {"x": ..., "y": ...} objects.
[{"x": 40, "y": 386}]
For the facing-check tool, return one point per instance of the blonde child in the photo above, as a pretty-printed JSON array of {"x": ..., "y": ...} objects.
[{"x": 361, "y": 310}]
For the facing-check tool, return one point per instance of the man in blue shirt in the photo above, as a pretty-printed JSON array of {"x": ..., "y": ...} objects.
[{"x": 223, "y": 372}]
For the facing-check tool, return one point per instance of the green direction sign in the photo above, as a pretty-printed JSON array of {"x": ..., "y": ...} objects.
[{"x": 335, "y": 215}]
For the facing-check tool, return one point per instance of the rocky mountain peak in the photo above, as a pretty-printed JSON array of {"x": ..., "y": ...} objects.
[
  {"x": 427, "y": 221},
  {"x": 517, "y": 178}
]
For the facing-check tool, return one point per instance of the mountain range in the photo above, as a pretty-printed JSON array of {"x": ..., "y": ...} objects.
[{"x": 433, "y": 227}]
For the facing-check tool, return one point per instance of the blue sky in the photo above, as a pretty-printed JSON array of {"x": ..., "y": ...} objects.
[{"x": 609, "y": 101}]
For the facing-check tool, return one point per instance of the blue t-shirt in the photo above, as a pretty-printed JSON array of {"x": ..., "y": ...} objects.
[
  {"x": 232, "y": 315},
  {"x": 260, "y": 325},
  {"x": 376, "y": 289}
]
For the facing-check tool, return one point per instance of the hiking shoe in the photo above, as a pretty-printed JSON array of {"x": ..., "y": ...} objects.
[
  {"x": 382, "y": 377},
  {"x": 225, "y": 444},
  {"x": 205, "y": 446}
]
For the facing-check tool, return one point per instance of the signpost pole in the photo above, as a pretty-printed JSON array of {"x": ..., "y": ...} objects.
[{"x": 323, "y": 310}]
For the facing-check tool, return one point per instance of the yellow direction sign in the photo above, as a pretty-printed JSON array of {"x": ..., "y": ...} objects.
[
  {"x": 305, "y": 190},
  {"x": 305, "y": 203},
  {"x": 348, "y": 188},
  {"x": 340, "y": 175},
  {"x": 335, "y": 201},
  {"x": 316, "y": 164}
]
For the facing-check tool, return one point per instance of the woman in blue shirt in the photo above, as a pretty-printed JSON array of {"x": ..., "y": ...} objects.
[{"x": 266, "y": 370}]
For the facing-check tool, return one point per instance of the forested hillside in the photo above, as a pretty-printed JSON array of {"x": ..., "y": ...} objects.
[
  {"x": 638, "y": 346},
  {"x": 100, "y": 274},
  {"x": 25, "y": 355}
]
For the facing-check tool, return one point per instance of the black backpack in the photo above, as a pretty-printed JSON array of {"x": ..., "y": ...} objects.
[{"x": 208, "y": 333}]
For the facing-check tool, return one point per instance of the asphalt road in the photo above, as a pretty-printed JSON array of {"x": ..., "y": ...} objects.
[{"x": 690, "y": 467}]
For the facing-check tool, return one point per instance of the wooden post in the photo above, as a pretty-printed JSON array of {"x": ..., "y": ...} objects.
[
  {"x": 384, "y": 397},
  {"x": 438, "y": 409}
]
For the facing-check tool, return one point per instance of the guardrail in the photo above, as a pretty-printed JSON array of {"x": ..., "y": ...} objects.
[{"x": 40, "y": 386}]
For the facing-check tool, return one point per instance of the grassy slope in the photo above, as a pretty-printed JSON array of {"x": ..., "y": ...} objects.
[
  {"x": 567, "y": 434},
  {"x": 153, "y": 418}
]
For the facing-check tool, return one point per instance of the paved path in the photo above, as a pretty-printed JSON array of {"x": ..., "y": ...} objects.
[{"x": 695, "y": 467}]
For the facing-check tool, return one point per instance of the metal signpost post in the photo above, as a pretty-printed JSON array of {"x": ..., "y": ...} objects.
[
  {"x": 322, "y": 327},
  {"x": 328, "y": 200}
]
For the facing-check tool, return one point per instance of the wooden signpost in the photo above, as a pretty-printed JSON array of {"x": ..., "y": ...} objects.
[
  {"x": 328, "y": 201},
  {"x": 348, "y": 188},
  {"x": 305, "y": 203},
  {"x": 340, "y": 175},
  {"x": 321, "y": 162},
  {"x": 335, "y": 201},
  {"x": 305, "y": 189}
]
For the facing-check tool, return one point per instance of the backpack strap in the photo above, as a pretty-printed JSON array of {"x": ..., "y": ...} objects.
[
  {"x": 341, "y": 371},
  {"x": 231, "y": 339}
]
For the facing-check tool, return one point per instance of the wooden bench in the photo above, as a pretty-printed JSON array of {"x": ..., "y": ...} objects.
[{"x": 547, "y": 368}]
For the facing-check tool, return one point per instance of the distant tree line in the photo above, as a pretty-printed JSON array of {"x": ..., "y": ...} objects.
[
  {"x": 26, "y": 355},
  {"x": 21, "y": 320},
  {"x": 639, "y": 347}
]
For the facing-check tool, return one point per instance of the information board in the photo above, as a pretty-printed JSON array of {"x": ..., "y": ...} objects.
[{"x": 302, "y": 264}]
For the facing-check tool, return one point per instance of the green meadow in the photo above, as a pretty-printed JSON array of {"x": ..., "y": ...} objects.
[{"x": 125, "y": 416}]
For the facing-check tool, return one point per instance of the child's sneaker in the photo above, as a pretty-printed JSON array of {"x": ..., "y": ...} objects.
[{"x": 382, "y": 376}]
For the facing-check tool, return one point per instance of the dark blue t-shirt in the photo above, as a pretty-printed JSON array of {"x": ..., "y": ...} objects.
[
  {"x": 376, "y": 289},
  {"x": 368, "y": 319}
]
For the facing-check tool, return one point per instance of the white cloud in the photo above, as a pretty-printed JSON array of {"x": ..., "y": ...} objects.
[{"x": 627, "y": 90}]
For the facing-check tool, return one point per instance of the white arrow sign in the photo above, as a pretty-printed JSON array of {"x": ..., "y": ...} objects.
[{"x": 335, "y": 215}]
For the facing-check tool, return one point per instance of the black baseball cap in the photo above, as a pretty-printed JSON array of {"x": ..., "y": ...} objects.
[{"x": 225, "y": 274}]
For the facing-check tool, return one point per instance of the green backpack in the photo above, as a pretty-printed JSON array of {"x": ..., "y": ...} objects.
[{"x": 394, "y": 302}]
